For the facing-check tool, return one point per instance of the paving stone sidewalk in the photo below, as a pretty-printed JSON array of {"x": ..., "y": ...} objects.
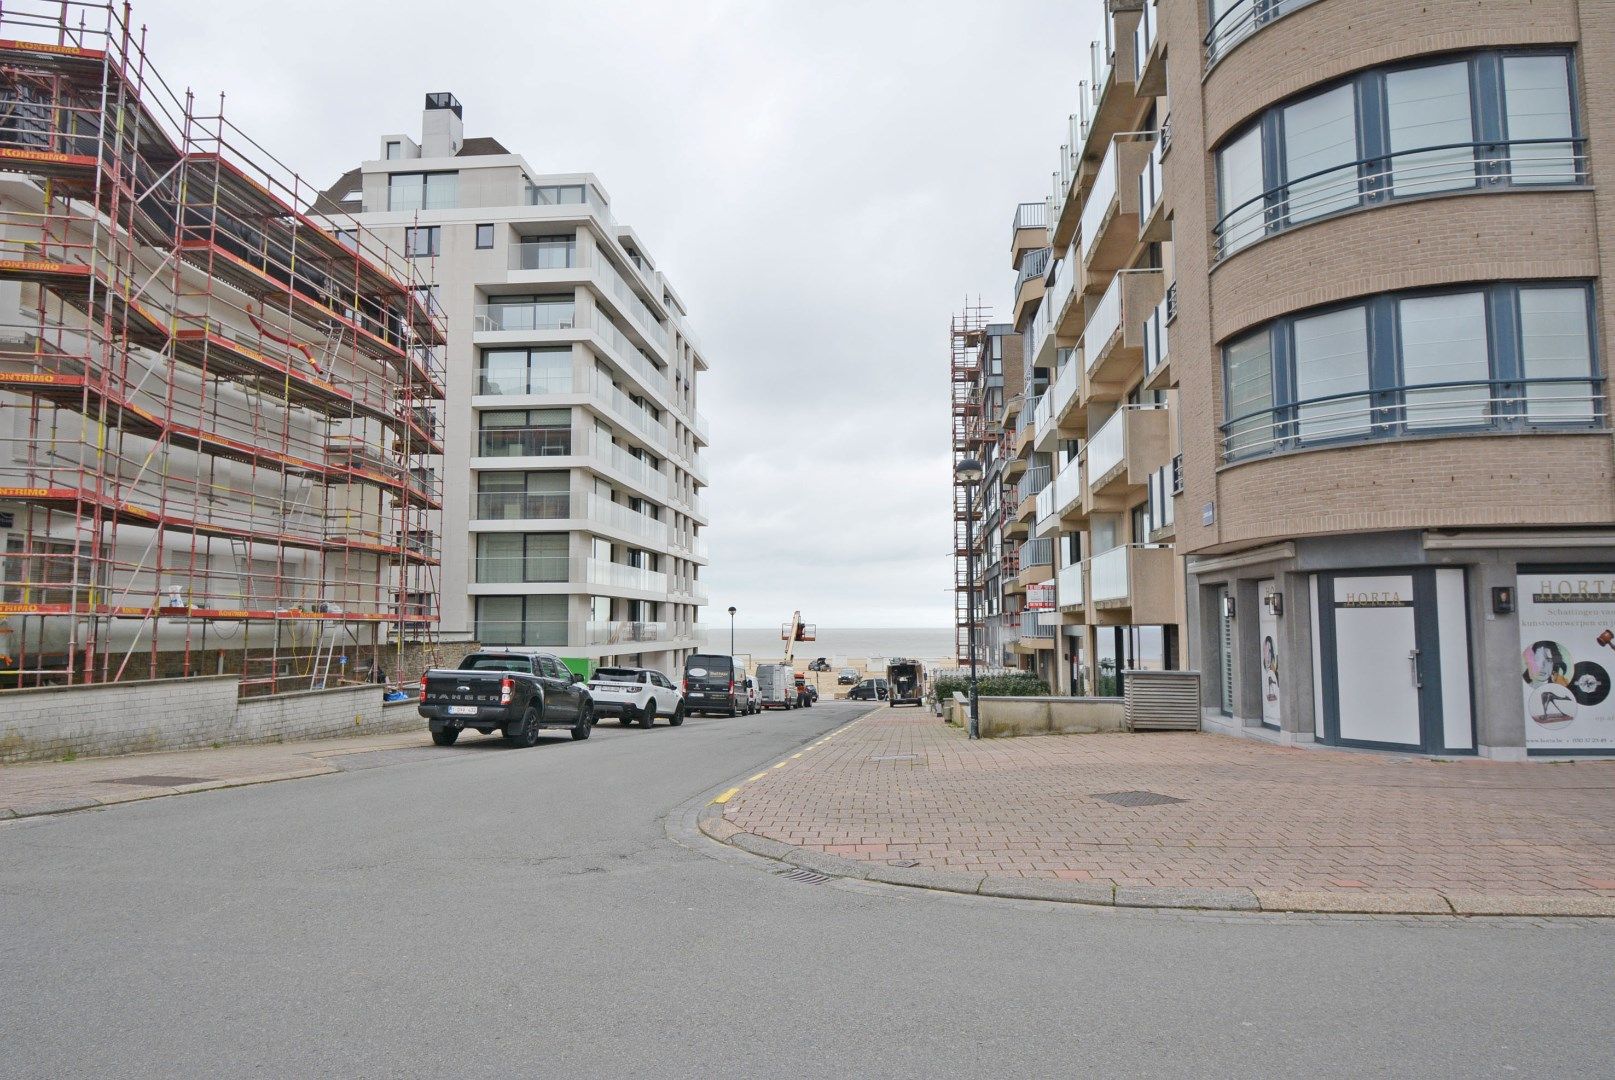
[
  {"x": 52, "y": 787},
  {"x": 1294, "y": 828}
]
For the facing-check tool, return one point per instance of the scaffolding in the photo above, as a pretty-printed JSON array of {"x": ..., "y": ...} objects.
[
  {"x": 966, "y": 335},
  {"x": 220, "y": 421}
]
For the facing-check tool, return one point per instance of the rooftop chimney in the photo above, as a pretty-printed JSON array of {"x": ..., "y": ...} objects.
[{"x": 442, "y": 130}]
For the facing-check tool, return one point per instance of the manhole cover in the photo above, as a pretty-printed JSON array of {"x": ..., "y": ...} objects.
[
  {"x": 807, "y": 877},
  {"x": 1137, "y": 798},
  {"x": 159, "y": 781}
]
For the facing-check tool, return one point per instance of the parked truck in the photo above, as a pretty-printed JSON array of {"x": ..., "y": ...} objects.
[
  {"x": 907, "y": 681},
  {"x": 516, "y": 691},
  {"x": 776, "y": 686}
]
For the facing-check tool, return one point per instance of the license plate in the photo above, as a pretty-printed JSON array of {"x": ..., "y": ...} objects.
[{"x": 462, "y": 710}]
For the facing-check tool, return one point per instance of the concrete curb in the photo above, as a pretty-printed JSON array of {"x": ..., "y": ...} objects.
[
  {"x": 124, "y": 798},
  {"x": 712, "y": 823}
]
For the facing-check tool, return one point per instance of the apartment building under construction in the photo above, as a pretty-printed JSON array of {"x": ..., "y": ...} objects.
[{"x": 218, "y": 421}]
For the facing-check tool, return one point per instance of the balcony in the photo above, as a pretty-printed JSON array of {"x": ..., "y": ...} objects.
[
  {"x": 1029, "y": 230},
  {"x": 499, "y": 318},
  {"x": 1123, "y": 453},
  {"x": 1155, "y": 339},
  {"x": 524, "y": 442},
  {"x": 612, "y": 575},
  {"x": 1029, "y": 286},
  {"x": 521, "y": 569},
  {"x": 1068, "y": 420},
  {"x": 1036, "y": 562},
  {"x": 535, "y": 255},
  {"x": 1133, "y": 583},
  {"x": 1149, "y": 52},
  {"x": 1031, "y": 484},
  {"x": 523, "y": 505},
  {"x": 1032, "y": 628},
  {"x": 1110, "y": 216},
  {"x": 612, "y": 633},
  {"x": 1107, "y": 104},
  {"x": 1068, "y": 588},
  {"x": 1113, "y": 341},
  {"x": 1062, "y": 306},
  {"x": 1154, "y": 226}
]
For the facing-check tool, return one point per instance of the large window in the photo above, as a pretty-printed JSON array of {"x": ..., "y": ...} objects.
[
  {"x": 527, "y": 313},
  {"x": 1505, "y": 357},
  {"x": 522, "y": 496},
  {"x": 505, "y": 558},
  {"x": 423, "y": 242},
  {"x": 522, "y": 620},
  {"x": 1481, "y": 122},
  {"x": 423, "y": 191},
  {"x": 546, "y": 252},
  {"x": 524, "y": 433},
  {"x": 525, "y": 371}
]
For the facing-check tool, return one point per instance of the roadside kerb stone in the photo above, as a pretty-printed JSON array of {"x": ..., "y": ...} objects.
[
  {"x": 1070, "y": 892},
  {"x": 921, "y": 878},
  {"x": 1495, "y": 904},
  {"x": 1358, "y": 903},
  {"x": 1164, "y": 896}
]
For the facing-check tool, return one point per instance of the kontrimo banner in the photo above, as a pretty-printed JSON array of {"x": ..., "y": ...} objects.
[{"x": 1567, "y": 642}]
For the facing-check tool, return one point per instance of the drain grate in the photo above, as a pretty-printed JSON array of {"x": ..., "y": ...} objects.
[
  {"x": 154, "y": 780},
  {"x": 1138, "y": 798},
  {"x": 806, "y": 877}
]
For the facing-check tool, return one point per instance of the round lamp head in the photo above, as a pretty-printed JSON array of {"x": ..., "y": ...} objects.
[
  {"x": 969, "y": 470},
  {"x": 731, "y": 610}
]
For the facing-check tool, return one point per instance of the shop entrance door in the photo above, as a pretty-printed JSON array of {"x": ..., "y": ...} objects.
[
  {"x": 1394, "y": 647},
  {"x": 1376, "y": 661}
]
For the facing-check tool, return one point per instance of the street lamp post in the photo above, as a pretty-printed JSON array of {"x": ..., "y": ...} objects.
[
  {"x": 969, "y": 471},
  {"x": 731, "y": 630}
]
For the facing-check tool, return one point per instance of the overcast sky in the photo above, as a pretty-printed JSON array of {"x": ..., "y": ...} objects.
[{"x": 824, "y": 181}]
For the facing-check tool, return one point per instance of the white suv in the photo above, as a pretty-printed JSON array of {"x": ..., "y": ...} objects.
[{"x": 636, "y": 694}]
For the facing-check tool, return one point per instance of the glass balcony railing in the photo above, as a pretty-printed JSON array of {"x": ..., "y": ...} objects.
[
  {"x": 545, "y": 255},
  {"x": 626, "y": 633},
  {"x": 609, "y": 574},
  {"x": 552, "y": 633},
  {"x": 494, "y": 317},
  {"x": 524, "y": 442},
  {"x": 523, "y": 505},
  {"x": 521, "y": 569}
]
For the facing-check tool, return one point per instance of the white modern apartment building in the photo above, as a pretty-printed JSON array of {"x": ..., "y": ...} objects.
[{"x": 572, "y": 515}]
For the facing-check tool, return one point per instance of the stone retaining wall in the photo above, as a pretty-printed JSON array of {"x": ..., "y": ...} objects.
[
  {"x": 1008, "y": 717},
  {"x": 182, "y": 714}
]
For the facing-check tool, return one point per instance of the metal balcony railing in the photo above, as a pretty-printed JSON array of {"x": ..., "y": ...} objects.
[
  {"x": 1031, "y": 215},
  {"x": 1037, "y": 553}
]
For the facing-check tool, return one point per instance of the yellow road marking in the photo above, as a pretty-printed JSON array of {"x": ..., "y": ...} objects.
[
  {"x": 782, "y": 765},
  {"x": 726, "y": 796},
  {"x": 759, "y": 776},
  {"x": 797, "y": 754}
]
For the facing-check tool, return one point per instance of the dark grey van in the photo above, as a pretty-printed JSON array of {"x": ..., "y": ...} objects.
[{"x": 714, "y": 683}]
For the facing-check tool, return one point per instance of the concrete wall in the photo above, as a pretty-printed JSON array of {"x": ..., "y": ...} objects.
[
  {"x": 1004, "y": 718},
  {"x": 181, "y": 714}
]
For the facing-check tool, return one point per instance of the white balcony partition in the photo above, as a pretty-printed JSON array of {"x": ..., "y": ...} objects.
[
  {"x": 1068, "y": 586},
  {"x": 1108, "y": 445},
  {"x": 1107, "y": 574},
  {"x": 1101, "y": 198},
  {"x": 1104, "y": 321}
]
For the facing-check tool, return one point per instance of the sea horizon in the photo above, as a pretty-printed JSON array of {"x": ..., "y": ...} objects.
[{"x": 838, "y": 643}]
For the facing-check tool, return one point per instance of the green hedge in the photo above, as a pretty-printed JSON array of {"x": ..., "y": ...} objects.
[{"x": 1022, "y": 685}]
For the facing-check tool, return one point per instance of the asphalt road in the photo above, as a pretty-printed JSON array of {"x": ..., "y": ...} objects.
[{"x": 487, "y": 912}]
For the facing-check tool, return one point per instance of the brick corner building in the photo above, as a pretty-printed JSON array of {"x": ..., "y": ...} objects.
[{"x": 1326, "y": 407}]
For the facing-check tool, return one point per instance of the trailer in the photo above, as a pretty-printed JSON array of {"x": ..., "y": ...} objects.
[
  {"x": 907, "y": 681},
  {"x": 776, "y": 686}
]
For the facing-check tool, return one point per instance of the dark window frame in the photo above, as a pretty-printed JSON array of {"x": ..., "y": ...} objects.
[
  {"x": 1387, "y": 390},
  {"x": 1374, "y": 165},
  {"x": 484, "y": 237}
]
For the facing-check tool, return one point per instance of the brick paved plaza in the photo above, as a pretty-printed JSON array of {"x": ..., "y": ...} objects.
[{"x": 901, "y": 787}]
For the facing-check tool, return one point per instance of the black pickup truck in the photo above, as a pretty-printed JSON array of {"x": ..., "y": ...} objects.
[{"x": 517, "y": 691}]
